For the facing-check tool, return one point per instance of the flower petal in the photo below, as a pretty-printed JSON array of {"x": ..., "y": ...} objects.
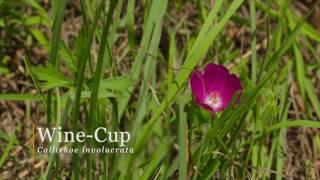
[
  {"x": 232, "y": 86},
  {"x": 197, "y": 86},
  {"x": 205, "y": 106},
  {"x": 215, "y": 77}
]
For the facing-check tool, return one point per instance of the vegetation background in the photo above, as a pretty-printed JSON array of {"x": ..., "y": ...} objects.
[{"x": 125, "y": 65}]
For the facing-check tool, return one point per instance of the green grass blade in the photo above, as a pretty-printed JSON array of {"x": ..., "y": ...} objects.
[
  {"x": 101, "y": 64},
  {"x": 84, "y": 56},
  {"x": 300, "y": 74},
  {"x": 153, "y": 21},
  {"x": 182, "y": 143},
  {"x": 294, "y": 123},
  {"x": 311, "y": 93},
  {"x": 26, "y": 61},
  {"x": 253, "y": 40},
  {"x": 192, "y": 59},
  {"x": 130, "y": 23},
  {"x": 6, "y": 151},
  {"x": 20, "y": 97},
  {"x": 54, "y": 143},
  {"x": 58, "y": 19}
]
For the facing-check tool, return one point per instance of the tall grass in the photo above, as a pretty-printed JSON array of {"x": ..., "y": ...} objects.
[{"x": 172, "y": 137}]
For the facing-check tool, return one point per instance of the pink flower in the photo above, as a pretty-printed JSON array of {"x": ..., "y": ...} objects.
[{"x": 214, "y": 89}]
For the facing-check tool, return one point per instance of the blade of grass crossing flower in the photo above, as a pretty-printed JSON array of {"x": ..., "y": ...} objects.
[
  {"x": 147, "y": 128},
  {"x": 192, "y": 59},
  {"x": 200, "y": 49}
]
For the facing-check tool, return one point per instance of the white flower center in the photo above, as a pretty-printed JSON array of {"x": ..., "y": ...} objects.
[{"x": 213, "y": 100}]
